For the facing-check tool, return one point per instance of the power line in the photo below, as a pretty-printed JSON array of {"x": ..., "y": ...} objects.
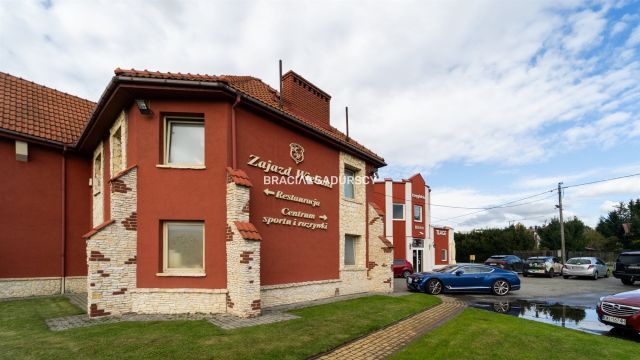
[
  {"x": 603, "y": 180},
  {"x": 503, "y": 205}
]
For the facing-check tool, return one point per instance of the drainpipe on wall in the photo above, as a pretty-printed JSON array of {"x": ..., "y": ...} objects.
[
  {"x": 64, "y": 219},
  {"x": 234, "y": 154}
]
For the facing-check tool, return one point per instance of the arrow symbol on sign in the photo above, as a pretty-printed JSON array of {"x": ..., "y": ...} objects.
[
  {"x": 269, "y": 192},
  {"x": 323, "y": 217}
]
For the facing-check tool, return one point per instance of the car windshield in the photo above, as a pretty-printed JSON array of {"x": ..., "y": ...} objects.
[
  {"x": 536, "y": 259},
  {"x": 398, "y": 262},
  {"x": 629, "y": 259},
  {"x": 497, "y": 257},
  {"x": 579, "y": 261},
  {"x": 446, "y": 269}
]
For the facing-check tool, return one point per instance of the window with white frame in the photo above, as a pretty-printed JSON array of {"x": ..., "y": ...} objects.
[
  {"x": 184, "y": 141},
  {"x": 183, "y": 247},
  {"x": 350, "y": 249},
  {"x": 398, "y": 211},
  {"x": 97, "y": 173},
  {"x": 417, "y": 213},
  {"x": 443, "y": 255},
  {"x": 349, "y": 183}
]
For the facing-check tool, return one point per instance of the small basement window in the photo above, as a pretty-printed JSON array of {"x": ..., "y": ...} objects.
[
  {"x": 184, "y": 141},
  {"x": 443, "y": 255},
  {"x": 183, "y": 247}
]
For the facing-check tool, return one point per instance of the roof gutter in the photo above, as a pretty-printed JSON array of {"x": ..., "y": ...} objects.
[
  {"x": 212, "y": 85},
  {"x": 33, "y": 139}
]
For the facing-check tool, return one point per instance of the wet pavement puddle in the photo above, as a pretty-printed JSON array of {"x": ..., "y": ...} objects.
[{"x": 573, "y": 317}]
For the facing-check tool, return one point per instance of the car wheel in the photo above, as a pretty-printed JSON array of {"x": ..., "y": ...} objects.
[
  {"x": 406, "y": 273},
  {"x": 524, "y": 274},
  {"x": 627, "y": 281},
  {"x": 551, "y": 273},
  {"x": 595, "y": 275},
  {"x": 606, "y": 275},
  {"x": 500, "y": 287},
  {"x": 434, "y": 287},
  {"x": 565, "y": 276}
]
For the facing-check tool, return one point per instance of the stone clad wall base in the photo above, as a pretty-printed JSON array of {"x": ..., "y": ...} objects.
[
  {"x": 112, "y": 250},
  {"x": 380, "y": 271},
  {"x": 178, "y": 301},
  {"x": 41, "y": 286}
]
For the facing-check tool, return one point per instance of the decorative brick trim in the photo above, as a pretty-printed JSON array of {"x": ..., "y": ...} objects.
[
  {"x": 386, "y": 242},
  {"x": 229, "y": 234},
  {"x": 118, "y": 185},
  {"x": 245, "y": 257},
  {"x": 132, "y": 261},
  {"x": 256, "y": 305},
  {"x": 377, "y": 209},
  {"x": 97, "y": 229},
  {"x": 98, "y": 256},
  {"x": 131, "y": 223}
]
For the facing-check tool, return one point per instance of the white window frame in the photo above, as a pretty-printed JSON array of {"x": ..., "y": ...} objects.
[
  {"x": 393, "y": 212},
  {"x": 356, "y": 243},
  {"x": 414, "y": 212},
  {"x": 165, "y": 250},
  {"x": 443, "y": 255},
  {"x": 167, "y": 140},
  {"x": 97, "y": 188},
  {"x": 353, "y": 184}
]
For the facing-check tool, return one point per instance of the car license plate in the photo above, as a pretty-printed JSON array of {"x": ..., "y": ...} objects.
[
  {"x": 409, "y": 280},
  {"x": 614, "y": 320},
  {"x": 492, "y": 264}
]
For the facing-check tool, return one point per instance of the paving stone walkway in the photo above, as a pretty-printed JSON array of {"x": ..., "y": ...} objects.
[
  {"x": 225, "y": 321},
  {"x": 386, "y": 341}
]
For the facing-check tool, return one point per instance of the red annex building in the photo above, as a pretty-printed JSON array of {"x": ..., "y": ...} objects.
[
  {"x": 408, "y": 226},
  {"x": 180, "y": 193}
]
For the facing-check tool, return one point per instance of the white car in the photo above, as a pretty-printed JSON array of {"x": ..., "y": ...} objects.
[{"x": 585, "y": 267}]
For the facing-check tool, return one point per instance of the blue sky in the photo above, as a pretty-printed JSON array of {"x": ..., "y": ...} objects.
[{"x": 491, "y": 100}]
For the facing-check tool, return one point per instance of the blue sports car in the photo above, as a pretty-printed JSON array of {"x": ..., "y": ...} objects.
[{"x": 465, "y": 278}]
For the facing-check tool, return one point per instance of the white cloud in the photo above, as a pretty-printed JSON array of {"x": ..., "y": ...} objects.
[
  {"x": 472, "y": 82},
  {"x": 634, "y": 38},
  {"x": 608, "y": 206}
]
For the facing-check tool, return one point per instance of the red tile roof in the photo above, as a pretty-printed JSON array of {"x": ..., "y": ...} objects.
[
  {"x": 254, "y": 88},
  {"x": 238, "y": 176},
  {"x": 39, "y": 111},
  {"x": 247, "y": 230}
]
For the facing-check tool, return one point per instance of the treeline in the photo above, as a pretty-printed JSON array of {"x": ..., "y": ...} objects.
[
  {"x": 619, "y": 230},
  {"x": 487, "y": 242}
]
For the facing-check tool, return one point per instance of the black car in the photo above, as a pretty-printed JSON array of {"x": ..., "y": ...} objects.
[
  {"x": 627, "y": 267},
  {"x": 548, "y": 266},
  {"x": 507, "y": 262}
]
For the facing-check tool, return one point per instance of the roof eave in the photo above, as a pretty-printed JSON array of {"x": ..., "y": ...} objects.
[{"x": 111, "y": 87}]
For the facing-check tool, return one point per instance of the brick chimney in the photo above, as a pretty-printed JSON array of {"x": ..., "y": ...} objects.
[{"x": 305, "y": 100}]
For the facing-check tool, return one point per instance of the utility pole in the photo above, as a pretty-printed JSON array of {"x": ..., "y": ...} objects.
[{"x": 564, "y": 254}]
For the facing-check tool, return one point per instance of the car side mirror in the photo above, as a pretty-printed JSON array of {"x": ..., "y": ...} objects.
[{"x": 459, "y": 272}]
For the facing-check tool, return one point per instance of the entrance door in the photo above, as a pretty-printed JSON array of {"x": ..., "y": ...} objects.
[{"x": 417, "y": 260}]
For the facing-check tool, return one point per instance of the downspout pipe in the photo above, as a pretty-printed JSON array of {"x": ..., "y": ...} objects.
[
  {"x": 234, "y": 152},
  {"x": 63, "y": 234}
]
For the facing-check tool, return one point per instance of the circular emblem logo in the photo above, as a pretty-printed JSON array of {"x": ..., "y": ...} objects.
[{"x": 296, "y": 152}]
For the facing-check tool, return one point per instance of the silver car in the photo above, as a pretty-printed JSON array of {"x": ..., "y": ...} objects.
[{"x": 585, "y": 266}]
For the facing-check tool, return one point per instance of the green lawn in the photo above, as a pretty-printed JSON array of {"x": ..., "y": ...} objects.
[
  {"x": 479, "y": 334},
  {"x": 24, "y": 335}
]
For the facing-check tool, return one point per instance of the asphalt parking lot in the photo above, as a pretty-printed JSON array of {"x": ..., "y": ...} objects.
[{"x": 572, "y": 291}]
